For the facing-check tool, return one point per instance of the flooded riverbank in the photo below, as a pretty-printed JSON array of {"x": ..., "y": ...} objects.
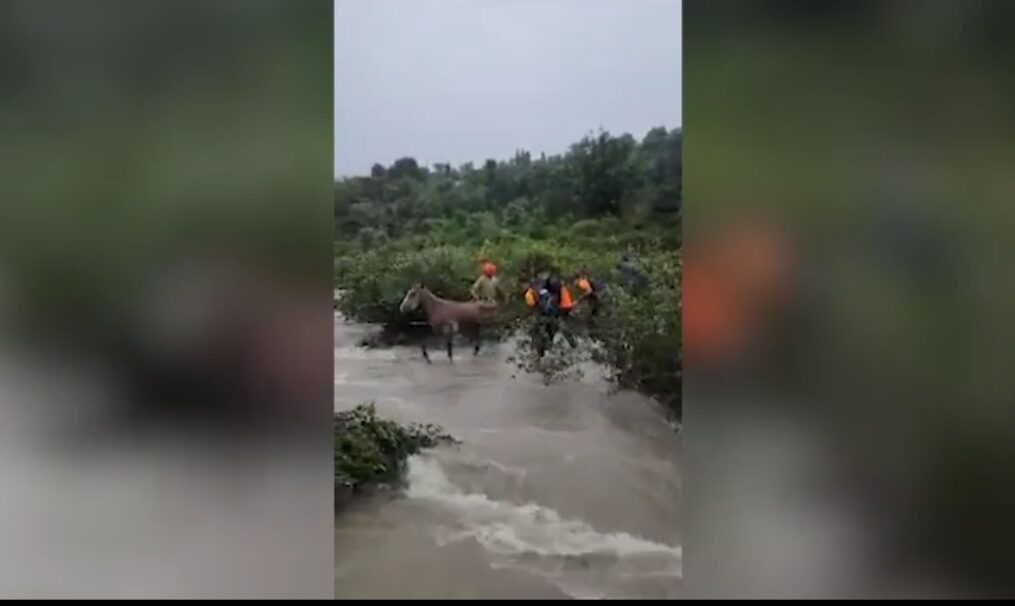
[{"x": 558, "y": 491}]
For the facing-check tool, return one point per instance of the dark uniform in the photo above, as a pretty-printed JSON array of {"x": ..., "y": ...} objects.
[{"x": 553, "y": 302}]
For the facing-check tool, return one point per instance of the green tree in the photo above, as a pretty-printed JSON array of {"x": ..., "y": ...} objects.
[{"x": 406, "y": 167}]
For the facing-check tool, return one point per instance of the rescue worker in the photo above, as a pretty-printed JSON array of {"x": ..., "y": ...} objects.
[
  {"x": 487, "y": 285},
  {"x": 634, "y": 278},
  {"x": 588, "y": 290},
  {"x": 552, "y": 301},
  {"x": 537, "y": 295},
  {"x": 530, "y": 292}
]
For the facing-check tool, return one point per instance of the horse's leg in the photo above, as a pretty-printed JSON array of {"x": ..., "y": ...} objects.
[
  {"x": 476, "y": 335},
  {"x": 450, "y": 333},
  {"x": 426, "y": 355}
]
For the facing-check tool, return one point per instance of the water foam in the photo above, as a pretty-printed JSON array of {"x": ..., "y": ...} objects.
[{"x": 509, "y": 529}]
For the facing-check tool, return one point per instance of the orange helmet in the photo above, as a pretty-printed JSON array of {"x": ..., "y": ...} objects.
[{"x": 489, "y": 270}]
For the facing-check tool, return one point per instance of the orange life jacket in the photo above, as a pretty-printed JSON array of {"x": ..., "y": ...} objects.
[
  {"x": 565, "y": 299},
  {"x": 530, "y": 297}
]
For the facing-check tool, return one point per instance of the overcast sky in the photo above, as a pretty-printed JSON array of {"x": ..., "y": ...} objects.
[{"x": 465, "y": 80}]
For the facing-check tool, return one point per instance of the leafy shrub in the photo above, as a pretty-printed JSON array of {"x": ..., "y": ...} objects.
[
  {"x": 370, "y": 450},
  {"x": 641, "y": 335}
]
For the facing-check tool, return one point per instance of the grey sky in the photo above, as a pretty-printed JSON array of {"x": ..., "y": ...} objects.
[{"x": 465, "y": 80}]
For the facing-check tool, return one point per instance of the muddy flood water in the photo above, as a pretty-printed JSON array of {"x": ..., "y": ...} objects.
[{"x": 560, "y": 491}]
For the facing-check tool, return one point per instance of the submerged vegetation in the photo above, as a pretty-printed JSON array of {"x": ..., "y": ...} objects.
[
  {"x": 606, "y": 197},
  {"x": 371, "y": 451}
]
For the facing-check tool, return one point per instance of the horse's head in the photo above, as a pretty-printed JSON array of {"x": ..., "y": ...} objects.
[{"x": 410, "y": 301}]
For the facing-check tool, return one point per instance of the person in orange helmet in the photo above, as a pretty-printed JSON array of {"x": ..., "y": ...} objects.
[
  {"x": 487, "y": 285},
  {"x": 589, "y": 290}
]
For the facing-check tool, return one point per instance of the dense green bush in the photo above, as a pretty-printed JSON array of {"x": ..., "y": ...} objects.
[
  {"x": 641, "y": 334},
  {"x": 374, "y": 281},
  {"x": 370, "y": 450}
]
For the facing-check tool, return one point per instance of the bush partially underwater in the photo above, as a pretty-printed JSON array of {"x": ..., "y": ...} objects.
[{"x": 372, "y": 451}]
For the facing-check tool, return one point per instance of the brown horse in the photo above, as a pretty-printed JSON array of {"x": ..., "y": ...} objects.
[{"x": 447, "y": 318}]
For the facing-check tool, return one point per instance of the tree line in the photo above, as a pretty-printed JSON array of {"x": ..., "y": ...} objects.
[{"x": 600, "y": 176}]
